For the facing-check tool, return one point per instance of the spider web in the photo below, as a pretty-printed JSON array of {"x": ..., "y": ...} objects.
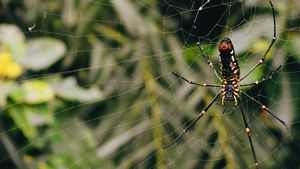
[{"x": 129, "y": 53}]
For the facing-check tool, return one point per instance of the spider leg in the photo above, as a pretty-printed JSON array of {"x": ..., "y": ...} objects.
[
  {"x": 247, "y": 129},
  {"x": 234, "y": 109},
  {"x": 199, "y": 9},
  {"x": 231, "y": 110},
  {"x": 224, "y": 109},
  {"x": 194, "y": 83},
  {"x": 264, "y": 79},
  {"x": 194, "y": 122},
  {"x": 207, "y": 60},
  {"x": 267, "y": 110},
  {"x": 262, "y": 59}
]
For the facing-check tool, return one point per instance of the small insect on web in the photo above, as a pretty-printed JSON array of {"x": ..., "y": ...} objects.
[{"x": 230, "y": 82}]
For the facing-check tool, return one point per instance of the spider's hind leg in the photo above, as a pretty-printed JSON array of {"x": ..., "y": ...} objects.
[
  {"x": 194, "y": 122},
  {"x": 248, "y": 131},
  {"x": 229, "y": 110}
]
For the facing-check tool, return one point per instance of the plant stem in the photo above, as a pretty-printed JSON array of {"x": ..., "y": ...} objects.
[{"x": 155, "y": 110}]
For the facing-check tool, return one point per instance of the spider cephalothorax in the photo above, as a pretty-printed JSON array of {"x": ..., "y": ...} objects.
[
  {"x": 226, "y": 46},
  {"x": 230, "y": 71}
]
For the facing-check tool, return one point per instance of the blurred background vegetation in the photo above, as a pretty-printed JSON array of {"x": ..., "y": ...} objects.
[{"x": 88, "y": 84}]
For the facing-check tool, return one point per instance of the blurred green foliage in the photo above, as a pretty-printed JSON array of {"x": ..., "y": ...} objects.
[{"x": 88, "y": 84}]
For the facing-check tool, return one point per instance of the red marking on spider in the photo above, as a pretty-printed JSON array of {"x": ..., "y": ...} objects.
[{"x": 224, "y": 47}]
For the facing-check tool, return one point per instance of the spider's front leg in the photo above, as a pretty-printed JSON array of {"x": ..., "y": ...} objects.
[
  {"x": 211, "y": 65},
  {"x": 262, "y": 59},
  {"x": 264, "y": 79}
]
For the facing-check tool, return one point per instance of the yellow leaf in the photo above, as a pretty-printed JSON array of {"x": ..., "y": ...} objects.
[
  {"x": 5, "y": 57},
  {"x": 9, "y": 68},
  {"x": 13, "y": 70},
  {"x": 43, "y": 166},
  {"x": 37, "y": 91}
]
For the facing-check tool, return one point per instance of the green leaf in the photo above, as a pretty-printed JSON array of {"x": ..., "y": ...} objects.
[
  {"x": 55, "y": 135},
  {"x": 42, "y": 53},
  {"x": 28, "y": 117},
  {"x": 17, "y": 95},
  {"x": 40, "y": 114},
  {"x": 22, "y": 121},
  {"x": 37, "y": 91},
  {"x": 69, "y": 90}
]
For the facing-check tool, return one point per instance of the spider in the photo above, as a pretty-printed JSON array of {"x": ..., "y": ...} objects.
[{"x": 230, "y": 85}]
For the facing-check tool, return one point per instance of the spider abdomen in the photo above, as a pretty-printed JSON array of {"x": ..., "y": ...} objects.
[{"x": 230, "y": 71}]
